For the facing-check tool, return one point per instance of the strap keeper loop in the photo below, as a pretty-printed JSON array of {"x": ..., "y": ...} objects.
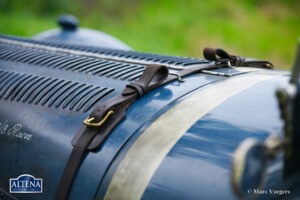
[{"x": 139, "y": 86}]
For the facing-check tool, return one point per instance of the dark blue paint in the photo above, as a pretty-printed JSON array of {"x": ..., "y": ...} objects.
[
  {"x": 255, "y": 164},
  {"x": 137, "y": 115},
  {"x": 198, "y": 166},
  {"x": 53, "y": 128},
  {"x": 206, "y": 146},
  {"x": 71, "y": 34},
  {"x": 82, "y": 36}
]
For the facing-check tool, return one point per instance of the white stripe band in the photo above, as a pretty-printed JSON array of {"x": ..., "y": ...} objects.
[{"x": 145, "y": 155}]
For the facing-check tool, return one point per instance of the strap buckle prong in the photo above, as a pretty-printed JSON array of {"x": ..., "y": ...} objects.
[{"x": 88, "y": 120}]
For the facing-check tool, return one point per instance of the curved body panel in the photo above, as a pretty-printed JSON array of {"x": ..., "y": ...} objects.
[
  {"x": 176, "y": 141},
  {"x": 83, "y": 36},
  {"x": 199, "y": 163}
]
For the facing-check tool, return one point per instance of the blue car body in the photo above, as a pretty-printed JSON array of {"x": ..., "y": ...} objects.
[{"x": 43, "y": 104}]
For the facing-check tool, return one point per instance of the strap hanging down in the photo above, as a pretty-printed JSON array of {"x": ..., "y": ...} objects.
[
  {"x": 106, "y": 116},
  {"x": 95, "y": 130}
]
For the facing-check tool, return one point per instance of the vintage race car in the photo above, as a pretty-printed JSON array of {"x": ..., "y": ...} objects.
[{"x": 83, "y": 116}]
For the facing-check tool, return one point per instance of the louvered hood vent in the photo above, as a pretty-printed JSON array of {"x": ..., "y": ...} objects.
[
  {"x": 51, "y": 92},
  {"x": 124, "y": 71},
  {"x": 67, "y": 77},
  {"x": 114, "y": 53}
]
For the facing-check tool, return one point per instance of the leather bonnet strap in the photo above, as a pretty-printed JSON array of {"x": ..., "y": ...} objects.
[
  {"x": 221, "y": 56},
  {"x": 106, "y": 116},
  {"x": 91, "y": 135}
]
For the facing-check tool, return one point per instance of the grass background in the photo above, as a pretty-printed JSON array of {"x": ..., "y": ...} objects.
[{"x": 263, "y": 29}]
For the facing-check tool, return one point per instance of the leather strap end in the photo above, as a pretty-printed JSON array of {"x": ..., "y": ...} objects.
[
  {"x": 210, "y": 53},
  {"x": 216, "y": 54}
]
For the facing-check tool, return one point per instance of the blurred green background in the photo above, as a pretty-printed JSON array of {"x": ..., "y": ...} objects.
[{"x": 263, "y": 29}]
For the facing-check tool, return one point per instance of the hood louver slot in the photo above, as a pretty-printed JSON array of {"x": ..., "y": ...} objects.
[
  {"x": 46, "y": 91},
  {"x": 71, "y": 62},
  {"x": 156, "y": 58}
]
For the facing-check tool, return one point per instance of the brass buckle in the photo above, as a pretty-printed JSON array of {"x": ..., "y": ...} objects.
[{"x": 88, "y": 120}]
